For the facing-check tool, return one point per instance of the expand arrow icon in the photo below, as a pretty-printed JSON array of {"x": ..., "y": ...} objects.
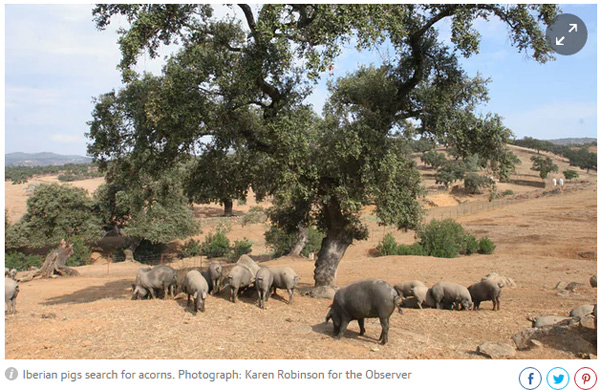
[
  {"x": 573, "y": 27},
  {"x": 559, "y": 41}
]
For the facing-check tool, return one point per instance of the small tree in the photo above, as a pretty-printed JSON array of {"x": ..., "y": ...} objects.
[
  {"x": 434, "y": 159},
  {"x": 543, "y": 165},
  {"x": 55, "y": 212},
  {"x": 450, "y": 172},
  {"x": 570, "y": 174}
]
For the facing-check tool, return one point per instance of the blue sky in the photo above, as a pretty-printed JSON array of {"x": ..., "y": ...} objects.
[{"x": 56, "y": 61}]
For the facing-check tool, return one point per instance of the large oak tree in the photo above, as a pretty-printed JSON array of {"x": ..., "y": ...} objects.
[{"x": 241, "y": 84}]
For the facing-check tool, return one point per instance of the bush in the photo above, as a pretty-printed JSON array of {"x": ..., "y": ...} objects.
[
  {"x": 471, "y": 245},
  {"x": 81, "y": 252},
  {"x": 486, "y": 246},
  {"x": 434, "y": 159},
  {"x": 443, "y": 238},
  {"x": 21, "y": 261},
  {"x": 191, "y": 249},
  {"x": 216, "y": 245},
  {"x": 508, "y": 192},
  {"x": 242, "y": 247},
  {"x": 388, "y": 246},
  {"x": 474, "y": 183},
  {"x": 570, "y": 174}
]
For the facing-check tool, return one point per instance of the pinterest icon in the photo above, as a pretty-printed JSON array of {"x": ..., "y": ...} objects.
[{"x": 585, "y": 378}]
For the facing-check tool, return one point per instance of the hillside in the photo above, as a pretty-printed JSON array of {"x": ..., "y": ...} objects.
[
  {"x": 43, "y": 159},
  {"x": 572, "y": 141}
]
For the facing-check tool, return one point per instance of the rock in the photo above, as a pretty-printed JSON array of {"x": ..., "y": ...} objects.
[
  {"x": 560, "y": 285},
  {"x": 496, "y": 350},
  {"x": 594, "y": 280},
  {"x": 522, "y": 339},
  {"x": 536, "y": 344},
  {"x": 572, "y": 286},
  {"x": 588, "y": 321}
]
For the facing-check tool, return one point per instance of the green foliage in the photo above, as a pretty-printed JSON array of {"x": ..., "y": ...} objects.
[
  {"x": 81, "y": 252},
  {"x": 241, "y": 247},
  {"x": 66, "y": 172},
  {"x": 388, "y": 246},
  {"x": 21, "y": 261},
  {"x": 470, "y": 245},
  {"x": 443, "y": 238},
  {"x": 508, "y": 192},
  {"x": 256, "y": 214},
  {"x": 450, "y": 172},
  {"x": 55, "y": 212},
  {"x": 474, "y": 183},
  {"x": 281, "y": 243},
  {"x": 570, "y": 174},
  {"x": 486, "y": 246},
  {"x": 433, "y": 159},
  {"x": 216, "y": 245},
  {"x": 421, "y": 145},
  {"x": 191, "y": 248},
  {"x": 149, "y": 252},
  {"x": 578, "y": 155},
  {"x": 232, "y": 90},
  {"x": 543, "y": 165},
  {"x": 143, "y": 207}
]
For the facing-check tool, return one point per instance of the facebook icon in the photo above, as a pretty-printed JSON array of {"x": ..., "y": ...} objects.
[{"x": 530, "y": 378}]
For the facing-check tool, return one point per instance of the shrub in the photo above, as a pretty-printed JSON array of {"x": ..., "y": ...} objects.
[
  {"x": 21, "y": 261},
  {"x": 434, "y": 159},
  {"x": 442, "y": 238},
  {"x": 470, "y": 245},
  {"x": 81, "y": 252},
  {"x": 191, "y": 249},
  {"x": 216, "y": 245},
  {"x": 486, "y": 246},
  {"x": 242, "y": 247},
  {"x": 388, "y": 246},
  {"x": 450, "y": 172},
  {"x": 508, "y": 192},
  {"x": 474, "y": 183},
  {"x": 570, "y": 174}
]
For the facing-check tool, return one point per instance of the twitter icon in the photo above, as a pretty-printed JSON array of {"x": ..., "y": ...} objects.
[{"x": 557, "y": 378}]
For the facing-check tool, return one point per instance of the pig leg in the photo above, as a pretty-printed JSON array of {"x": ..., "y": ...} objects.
[
  {"x": 291, "y": 292},
  {"x": 385, "y": 327},
  {"x": 343, "y": 326},
  {"x": 361, "y": 325}
]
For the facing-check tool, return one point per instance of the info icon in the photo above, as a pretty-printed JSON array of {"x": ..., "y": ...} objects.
[
  {"x": 530, "y": 378},
  {"x": 585, "y": 378},
  {"x": 558, "y": 378}
]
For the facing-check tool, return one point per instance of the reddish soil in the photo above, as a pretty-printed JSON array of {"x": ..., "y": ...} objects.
[{"x": 540, "y": 241}]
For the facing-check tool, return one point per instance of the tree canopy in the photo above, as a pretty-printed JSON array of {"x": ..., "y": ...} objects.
[{"x": 240, "y": 85}]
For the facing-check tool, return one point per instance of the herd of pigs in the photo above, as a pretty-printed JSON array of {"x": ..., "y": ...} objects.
[{"x": 371, "y": 298}]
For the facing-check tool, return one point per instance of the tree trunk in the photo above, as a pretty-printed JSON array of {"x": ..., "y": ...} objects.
[
  {"x": 133, "y": 243},
  {"x": 55, "y": 263},
  {"x": 332, "y": 251},
  {"x": 228, "y": 207},
  {"x": 301, "y": 241}
]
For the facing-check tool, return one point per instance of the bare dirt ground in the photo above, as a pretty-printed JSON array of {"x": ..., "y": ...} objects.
[{"x": 540, "y": 241}]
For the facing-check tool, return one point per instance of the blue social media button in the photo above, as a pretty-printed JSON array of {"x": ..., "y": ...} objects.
[
  {"x": 530, "y": 378},
  {"x": 557, "y": 378}
]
